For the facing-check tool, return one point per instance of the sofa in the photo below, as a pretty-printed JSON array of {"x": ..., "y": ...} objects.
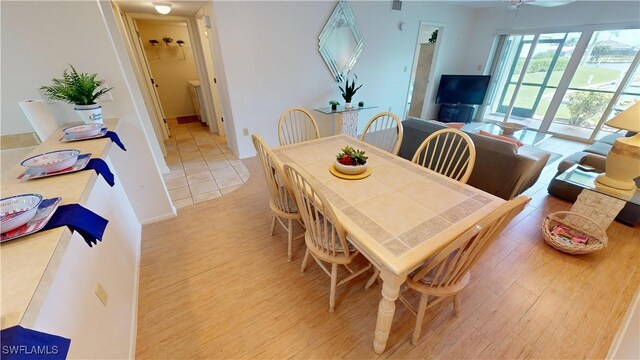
[
  {"x": 501, "y": 168},
  {"x": 594, "y": 156}
]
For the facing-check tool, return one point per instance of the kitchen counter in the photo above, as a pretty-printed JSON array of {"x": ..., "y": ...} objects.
[{"x": 48, "y": 278}]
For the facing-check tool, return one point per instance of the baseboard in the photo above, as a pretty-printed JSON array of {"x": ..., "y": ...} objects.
[{"x": 160, "y": 217}]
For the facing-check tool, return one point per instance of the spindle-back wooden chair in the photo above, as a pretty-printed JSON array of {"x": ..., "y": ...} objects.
[
  {"x": 449, "y": 152},
  {"x": 297, "y": 125}
]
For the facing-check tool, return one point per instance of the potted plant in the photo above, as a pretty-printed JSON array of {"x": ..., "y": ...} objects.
[
  {"x": 167, "y": 40},
  {"x": 80, "y": 89},
  {"x": 334, "y": 104},
  {"x": 361, "y": 104},
  {"x": 180, "y": 43},
  {"x": 153, "y": 42},
  {"x": 351, "y": 161},
  {"x": 349, "y": 91}
]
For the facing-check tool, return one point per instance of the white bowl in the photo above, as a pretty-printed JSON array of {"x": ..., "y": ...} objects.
[
  {"x": 351, "y": 169},
  {"x": 81, "y": 131},
  {"x": 18, "y": 210},
  {"x": 52, "y": 161}
]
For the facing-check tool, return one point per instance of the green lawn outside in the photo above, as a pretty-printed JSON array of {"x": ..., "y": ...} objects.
[{"x": 527, "y": 94}]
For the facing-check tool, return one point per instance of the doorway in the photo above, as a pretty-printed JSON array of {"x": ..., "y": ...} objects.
[
  {"x": 168, "y": 52},
  {"x": 422, "y": 70}
]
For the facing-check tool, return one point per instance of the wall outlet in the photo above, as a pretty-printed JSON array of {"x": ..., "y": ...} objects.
[
  {"x": 245, "y": 132},
  {"x": 479, "y": 67},
  {"x": 389, "y": 108},
  {"x": 102, "y": 295}
]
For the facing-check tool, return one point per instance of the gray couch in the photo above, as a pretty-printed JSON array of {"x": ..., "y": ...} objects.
[
  {"x": 594, "y": 156},
  {"x": 501, "y": 168}
]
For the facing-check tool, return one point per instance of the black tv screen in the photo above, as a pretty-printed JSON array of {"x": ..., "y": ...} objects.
[{"x": 462, "y": 89}]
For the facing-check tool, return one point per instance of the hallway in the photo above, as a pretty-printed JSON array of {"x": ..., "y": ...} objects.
[{"x": 202, "y": 166}]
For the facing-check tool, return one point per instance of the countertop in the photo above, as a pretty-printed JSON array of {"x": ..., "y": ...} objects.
[{"x": 28, "y": 264}]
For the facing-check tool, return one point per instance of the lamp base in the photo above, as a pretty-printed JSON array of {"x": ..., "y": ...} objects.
[{"x": 618, "y": 184}]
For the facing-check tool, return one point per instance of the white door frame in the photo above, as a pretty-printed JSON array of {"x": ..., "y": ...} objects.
[
  {"x": 204, "y": 24},
  {"x": 151, "y": 95},
  {"x": 198, "y": 56},
  {"x": 429, "y": 89}
]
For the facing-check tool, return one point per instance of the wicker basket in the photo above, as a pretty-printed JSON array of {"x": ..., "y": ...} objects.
[{"x": 597, "y": 236}]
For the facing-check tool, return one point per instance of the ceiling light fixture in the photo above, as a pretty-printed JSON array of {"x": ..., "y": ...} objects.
[{"x": 163, "y": 7}]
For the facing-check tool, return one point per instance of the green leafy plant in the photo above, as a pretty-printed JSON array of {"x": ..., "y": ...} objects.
[
  {"x": 349, "y": 90},
  {"x": 334, "y": 103},
  {"x": 433, "y": 38},
  {"x": 586, "y": 107},
  {"x": 75, "y": 88},
  {"x": 351, "y": 156}
]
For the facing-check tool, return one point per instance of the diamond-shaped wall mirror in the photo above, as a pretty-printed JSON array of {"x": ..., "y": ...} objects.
[{"x": 340, "y": 42}]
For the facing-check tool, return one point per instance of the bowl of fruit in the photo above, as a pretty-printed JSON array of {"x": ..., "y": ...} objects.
[{"x": 351, "y": 161}]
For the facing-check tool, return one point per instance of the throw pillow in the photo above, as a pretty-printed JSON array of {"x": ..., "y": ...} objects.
[
  {"x": 501, "y": 137},
  {"x": 453, "y": 125}
]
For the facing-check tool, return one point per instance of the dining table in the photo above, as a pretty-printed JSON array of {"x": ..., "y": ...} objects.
[{"x": 397, "y": 217}]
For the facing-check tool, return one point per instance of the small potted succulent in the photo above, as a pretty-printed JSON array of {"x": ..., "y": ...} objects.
[
  {"x": 80, "y": 89},
  {"x": 349, "y": 91},
  {"x": 351, "y": 161},
  {"x": 334, "y": 104},
  {"x": 361, "y": 104}
]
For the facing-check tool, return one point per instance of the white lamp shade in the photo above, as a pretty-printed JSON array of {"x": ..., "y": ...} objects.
[{"x": 628, "y": 119}]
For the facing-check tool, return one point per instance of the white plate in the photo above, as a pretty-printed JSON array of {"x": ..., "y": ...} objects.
[
  {"x": 82, "y": 130},
  {"x": 18, "y": 210},
  {"x": 52, "y": 161}
]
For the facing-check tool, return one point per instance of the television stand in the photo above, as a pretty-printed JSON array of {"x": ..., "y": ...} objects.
[{"x": 455, "y": 113}]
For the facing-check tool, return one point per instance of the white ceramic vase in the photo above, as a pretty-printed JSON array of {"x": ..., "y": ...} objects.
[
  {"x": 90, "y": 114},
  {"x": 347, "y": 105}
]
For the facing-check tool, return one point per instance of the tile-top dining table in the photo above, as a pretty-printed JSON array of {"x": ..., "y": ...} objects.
[{"x": 397, "y": 217}]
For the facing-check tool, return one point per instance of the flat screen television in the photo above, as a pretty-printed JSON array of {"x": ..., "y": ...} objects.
[{"x": 462, "y": 89}]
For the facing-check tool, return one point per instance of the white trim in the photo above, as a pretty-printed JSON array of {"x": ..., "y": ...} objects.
[
  {"x": 160, "y": 217},
  {"x": 617, "y": 339}
]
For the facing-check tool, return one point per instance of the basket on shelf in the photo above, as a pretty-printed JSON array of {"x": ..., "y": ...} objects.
[{"x": 596, "y": 235}]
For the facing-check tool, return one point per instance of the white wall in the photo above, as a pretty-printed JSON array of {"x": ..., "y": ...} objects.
[
  {"x": 172, "y": 66},
  {"x": 40, "y": 39},
  {"x": 271, "y": 59}
]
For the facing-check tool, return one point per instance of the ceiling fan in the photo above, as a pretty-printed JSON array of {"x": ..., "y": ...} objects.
[{"x": 542, "y": 3}]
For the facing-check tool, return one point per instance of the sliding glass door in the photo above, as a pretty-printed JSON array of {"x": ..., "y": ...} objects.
[{"x": 565, "y": 83}]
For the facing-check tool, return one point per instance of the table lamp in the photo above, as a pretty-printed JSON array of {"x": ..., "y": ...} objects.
[{"x": 623, "y": 160}]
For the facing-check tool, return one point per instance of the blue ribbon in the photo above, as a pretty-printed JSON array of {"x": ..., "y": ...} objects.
[
  {"x": 115, "y": 138},
  {"x": 101, "y": 168},
  {"x": 85, "y": 222},
  {"x": 20, "y": 343}
]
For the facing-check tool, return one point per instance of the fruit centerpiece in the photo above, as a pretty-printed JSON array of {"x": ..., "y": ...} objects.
[{"x": 351, "y": 161}]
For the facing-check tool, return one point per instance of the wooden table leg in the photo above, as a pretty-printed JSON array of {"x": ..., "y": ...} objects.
[{"x": 386, "y": 309}]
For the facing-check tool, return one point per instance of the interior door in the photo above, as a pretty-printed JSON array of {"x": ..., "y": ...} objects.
[{"x": 151, "y": 84}]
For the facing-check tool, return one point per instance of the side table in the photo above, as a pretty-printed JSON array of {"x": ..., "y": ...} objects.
[{"x": 345, "y": 120}]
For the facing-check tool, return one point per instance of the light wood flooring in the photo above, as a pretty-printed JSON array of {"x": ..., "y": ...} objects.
[{"x": 214, "y": 284}]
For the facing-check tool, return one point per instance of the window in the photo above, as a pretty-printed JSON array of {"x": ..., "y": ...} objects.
[{"x": 538, "y": 82}]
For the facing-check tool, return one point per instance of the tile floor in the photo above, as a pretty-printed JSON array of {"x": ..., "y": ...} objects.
[{"x": 202, "y": 166}]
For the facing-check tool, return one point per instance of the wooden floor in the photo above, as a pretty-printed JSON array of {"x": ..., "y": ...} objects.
[{"x": 214, "y": 284}]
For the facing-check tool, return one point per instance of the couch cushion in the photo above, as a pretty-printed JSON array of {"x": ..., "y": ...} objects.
[
  {"x": 501, "y": 137},
  {"x": 599, "y": 148}
]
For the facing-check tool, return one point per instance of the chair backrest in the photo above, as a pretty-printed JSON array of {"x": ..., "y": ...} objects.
[
  {"x": 449, "y": 266},
  {"x": 449, "y": 152},
  {"x": 296, "y": 125},
  {"x": 384, "y": 131},
  {"x": 279, "y": 195},
  {"x": 328, "y": 237}
]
